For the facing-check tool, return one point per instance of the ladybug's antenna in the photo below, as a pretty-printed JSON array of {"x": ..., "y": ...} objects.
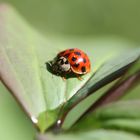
[{"x": 50, "y": 63}]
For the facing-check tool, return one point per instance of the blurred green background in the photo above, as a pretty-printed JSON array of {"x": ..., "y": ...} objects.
[
  {"x": 84, "y": 18},
  {"x": 90, "y": 18}
]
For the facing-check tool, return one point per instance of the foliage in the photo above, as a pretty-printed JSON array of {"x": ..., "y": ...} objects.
[{"x": 53, "y": 103}]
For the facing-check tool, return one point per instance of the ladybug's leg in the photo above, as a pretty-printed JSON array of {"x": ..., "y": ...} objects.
[
  {"x": 64, "y": 78},
  {"x": 64, "y": 75},
  {"x": 79, "y": 77}
]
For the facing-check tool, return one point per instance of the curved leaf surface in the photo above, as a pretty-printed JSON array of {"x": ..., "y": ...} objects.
[{"x": 23, "y": 53}]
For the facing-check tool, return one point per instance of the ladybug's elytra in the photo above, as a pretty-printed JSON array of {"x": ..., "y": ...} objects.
[{"x": 71, "y": 61}]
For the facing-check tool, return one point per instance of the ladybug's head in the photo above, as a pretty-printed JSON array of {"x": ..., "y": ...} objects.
[{"x": 60, "y": 65}]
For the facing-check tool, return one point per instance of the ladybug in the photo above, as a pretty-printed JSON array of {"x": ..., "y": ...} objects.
[{"x": 73, "y": 61}]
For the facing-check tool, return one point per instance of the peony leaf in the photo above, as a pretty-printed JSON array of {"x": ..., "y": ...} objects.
[{"x": 23, "y": 54}]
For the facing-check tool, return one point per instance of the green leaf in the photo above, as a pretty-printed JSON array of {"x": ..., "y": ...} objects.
[
  {"x": 109, "y": 69},
  {"x": 46, "y": 119},
  {"x": 12, "y": 119},
  {"x": 122, "y": 115},
  {"x": 75, "y": 113},
  {"x": 132, "y": 125},
  {"x": 117, "y": 91},
  {"x": 122, "y": 109},
  {"x": 91, "y": 135},
  {"x": 134, "y": 92},
  {"x": 108, "y": 72},
  {"x": 23, "y": 53}
]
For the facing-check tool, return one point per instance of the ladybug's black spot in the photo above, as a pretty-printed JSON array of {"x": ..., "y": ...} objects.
[
  {"x": 76, "y": 65},
  {"x": 71, "y": 49},
  {"x": 66, "y": 62},
  {"x": 78, "y": 53},
  {"x": 67, "y": 55},
  {"x": 83, "y": 69},
  {"x": 61, "y": 62},
  {"x": 84, "y": 60},
  {"x": 73, "y": 59}
]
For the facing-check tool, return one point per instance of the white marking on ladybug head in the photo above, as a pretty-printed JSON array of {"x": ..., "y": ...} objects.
[
  {"x": 64, "y": 64},
  {"x": 60, "y": 65}
]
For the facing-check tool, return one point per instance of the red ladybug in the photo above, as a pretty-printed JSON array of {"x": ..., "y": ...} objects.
[{"x": 71, "y": 61}]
